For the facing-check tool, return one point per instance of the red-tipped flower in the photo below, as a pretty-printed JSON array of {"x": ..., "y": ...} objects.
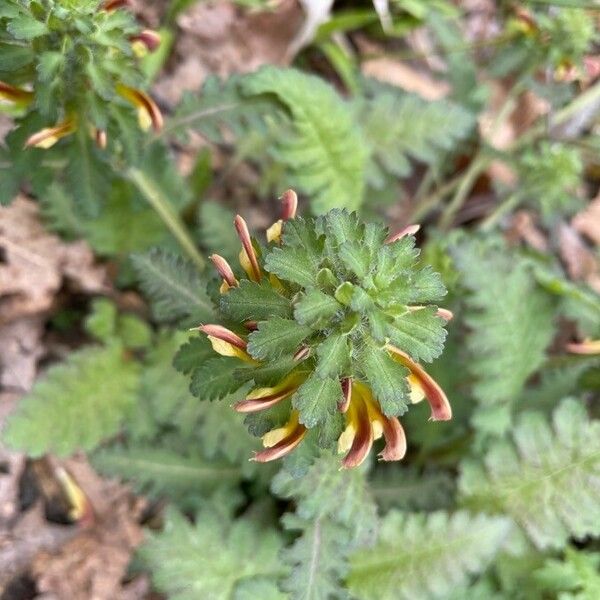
[
  {"x": 408, "y": 230},
  {"x": 149, "y": 114},
  {"x": 148, "y": 38},
  {"x": 440, "y": 407},
  {"x": 248, "y": 256}
]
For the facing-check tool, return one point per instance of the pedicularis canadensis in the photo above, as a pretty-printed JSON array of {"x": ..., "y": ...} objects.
[
  {"x": 72, "y": 66},
  {"x": 326, "y": 326}
]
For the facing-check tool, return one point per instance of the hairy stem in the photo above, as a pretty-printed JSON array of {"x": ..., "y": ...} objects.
[{"x": 165, "y": 211}]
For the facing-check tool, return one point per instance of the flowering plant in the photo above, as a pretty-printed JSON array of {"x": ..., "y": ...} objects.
[{"x": 329, "y": 321}]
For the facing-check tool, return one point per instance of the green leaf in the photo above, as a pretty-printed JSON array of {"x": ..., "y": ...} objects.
[
  {"x": 411, "y": 489},
  {"x": 276, "y": 337},
  {"x": 335, "y": 514},
  {"x": 317, "y": 558},
  {"x": 76, "y": 405},
  {"x": 316, "y": 400},
  {"x": 326, "y": 156},
  {"x": 356, "y": 257},
  {"x": 13, "y": 57},
  {"x": 399, "y": 126},
  {"x": 60, "y": 213},
  {"x": 254, "y": 301},
  {"x": 387, "y": 379},
  {"x": 419, "y": 333},
  {"x": 102, "y": 321},
  {"x": 511, "y": 320},
  {"x": 292, "y": 264},
  {"x": 542, "y": 471},
  {"x": 578, "y": 573},
  {"x": 164, "y": 472},
  {"x": 452, "y": 547},
  {"x": 315, "y": 307},
  {"x": 173, "y": 286},
  {"x": 25, "y": 27},
  {"x": 217, "y": 232},
  {"x": 214, "y": 379},
  {"x": 192, "y": 354},
  {"x": 88, "y": 176},
  {"x": 49, "y": 63},
  {"x": 212, "y": 558},
  {"x": 333, "y": 356}
]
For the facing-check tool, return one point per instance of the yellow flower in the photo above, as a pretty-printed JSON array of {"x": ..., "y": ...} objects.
[
  {"x": 281, "y": 441},
  {"x": 47, "y": 137},
  {"x": 149, "y": 114},
  {"x": 15, "y": 95},
  {"x": 365, "y": 423}
]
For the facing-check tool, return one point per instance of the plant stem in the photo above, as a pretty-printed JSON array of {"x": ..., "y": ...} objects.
[
  {"x": 477, "y": 166},
  {"x": 506, "y": 205},
  {"x": 165, "y": 211},
  {"x": 427, "y": 203}
]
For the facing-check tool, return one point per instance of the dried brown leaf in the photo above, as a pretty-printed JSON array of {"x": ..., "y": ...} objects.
[{"x": 36, "y": 264}]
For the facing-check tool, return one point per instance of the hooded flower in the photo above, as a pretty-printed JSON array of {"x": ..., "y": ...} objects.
[{"x": 314, "y": 344}]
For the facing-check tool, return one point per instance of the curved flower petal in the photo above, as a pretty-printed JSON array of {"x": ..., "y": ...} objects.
[
  {"x": 149, "y": 114},
  {"x": 248, "y": 258},
  {"x": 262, "y": 398},
  {"x": 47, "y": 137},
  {"x": 395, "y": 439},
  {"x": 224, "y": 270},
  {"x": 408, "y": 230},
  {"x": 363, "y": 432},
  {"x": 15, "y": 95},
  {"x": 585, "y": 347},
  {"x": 440, "y": 407},
  {"x": 346, "y": 384},
  {"x": 281, "y": 441},
  {"x": 147, "y": 40},
  {"x": 225, "y": 342}
]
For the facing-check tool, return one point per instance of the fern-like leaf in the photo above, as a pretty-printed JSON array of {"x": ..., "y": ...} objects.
[
  {"x": 402, "y": 126},
  {"x": 425, "y": 555},
  {"x": 212, "y": 558},
  {"x": 511, "y": 319},
  {"x": 173, "y": 286},
  {"x": 327, "y": 155},
  {"x": 546, "y": 479},
  {"x": 164, "y": 472},
  {"x": 77, "y": 404}
]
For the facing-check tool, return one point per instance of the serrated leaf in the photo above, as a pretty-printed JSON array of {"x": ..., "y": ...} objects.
[
  {"x": 173, "y": 286},
  {"x": 76, "y": 405},
  {"x": 292, "y": 264},
  {"x": 387, "y": 379},
  {"x": 214, "y": 379},
  {"x": 419, "y": 333},
  {"x": 333, "y": 356},
  {"x": 356, "y": 258},
  {"x": 253, "y": 301},
  {"x": 276, "y": 337},
  {"x": 511, "y": 320},
  {"x": 192, "y": 354},
  {"x": 452, "y": 546},
  {"x": 25, "y": 27},
  {"x": 326, "y": 155},
  {"x": 212, "y": 558},
  {"x": 316, "y": 400},
  {"x": 164, "y": 472},
  {"x": 315, "y": 306},
  {"x": 546, "y": 479}
]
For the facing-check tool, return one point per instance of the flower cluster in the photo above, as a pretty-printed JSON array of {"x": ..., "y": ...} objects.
[
  {"x": 326, "y": 325},
  {"x": 72, "y": 64}
]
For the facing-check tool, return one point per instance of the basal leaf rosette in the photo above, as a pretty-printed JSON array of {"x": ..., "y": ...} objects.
[
  {"x": 73, "y": 65},
  {"x": 327, "y": 326}
]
